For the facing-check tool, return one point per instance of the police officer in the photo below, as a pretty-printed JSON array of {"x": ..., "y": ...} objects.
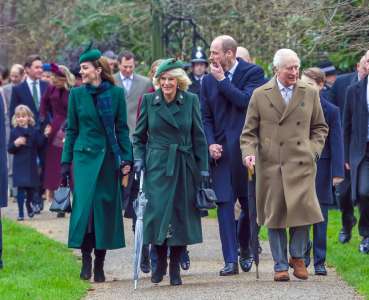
[
  {"x": 199, "y": 62},
  {"x": 330, "y": 73}
]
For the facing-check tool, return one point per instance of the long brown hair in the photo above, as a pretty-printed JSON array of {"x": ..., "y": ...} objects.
[{"x": 106, "y": 73}]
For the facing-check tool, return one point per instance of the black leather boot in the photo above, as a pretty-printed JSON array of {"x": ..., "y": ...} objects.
[
  {"x": 162, "y": 264},
  {"x": 86, "y": 270},
  {"x": 145, "y": 259},
  {"x": 99, "y": 275},
  {"x": 174, "y": 265}
]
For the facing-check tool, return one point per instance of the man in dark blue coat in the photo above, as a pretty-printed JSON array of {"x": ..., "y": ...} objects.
[
  {"x": 29, "y": 93},
  {"x": 3, "y": 172},
  {"x": 225, "y": 95},
  {"x": 356, "y": 138},
  {"x": 343, "y": 191}
]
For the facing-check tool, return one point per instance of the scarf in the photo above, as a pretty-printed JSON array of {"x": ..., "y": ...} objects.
[{"x": 102, "y": 96}]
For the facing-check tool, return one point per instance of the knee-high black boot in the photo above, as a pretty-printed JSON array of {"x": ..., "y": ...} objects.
[
  {"x": 86, "y": 249},
  {"x": 99, "y": 275},
  {"x": 174, "y": 265},
  {"x": 162, "y": 264}
]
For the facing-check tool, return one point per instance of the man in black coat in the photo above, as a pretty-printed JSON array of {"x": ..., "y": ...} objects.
[
  {"x": 199, "y": 65},
  {"x": 356, "y": 138},
  {"x": 29, "y": 92},
  {"x": 343, "y": 191}
]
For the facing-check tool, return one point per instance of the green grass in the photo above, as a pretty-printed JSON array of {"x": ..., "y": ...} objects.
[
  {"x": 350, "y": 264},
  {"x": 37, "y": 268}
]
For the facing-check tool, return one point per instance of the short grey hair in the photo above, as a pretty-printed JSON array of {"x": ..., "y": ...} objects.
[{"x": 281, "y": 55}]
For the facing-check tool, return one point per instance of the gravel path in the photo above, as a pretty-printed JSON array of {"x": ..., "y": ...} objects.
[{"x": 202, "y": 280}]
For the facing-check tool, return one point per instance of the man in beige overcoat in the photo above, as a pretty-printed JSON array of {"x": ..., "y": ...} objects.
[{"x": 283, "y": 135}]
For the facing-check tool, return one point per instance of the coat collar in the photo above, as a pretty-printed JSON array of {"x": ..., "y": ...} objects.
[
  {"x": 162, "y": 109},
  {"x": 276, "y": 99}
]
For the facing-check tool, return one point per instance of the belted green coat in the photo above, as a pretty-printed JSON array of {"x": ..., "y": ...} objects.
[
  {"x": 170, "y": 139},
  {"x": 96, "y": 181}
]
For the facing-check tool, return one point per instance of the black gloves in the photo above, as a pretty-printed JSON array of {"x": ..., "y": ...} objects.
[
  {"x": 65, "y": 173},
  {"x": 138, "y": 167},
  {"x": 205, "y": 179}
]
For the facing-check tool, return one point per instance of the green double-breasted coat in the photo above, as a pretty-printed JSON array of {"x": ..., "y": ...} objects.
[
  {"x": 96, "y": 181},
  {"x": 170, "y": 139}
]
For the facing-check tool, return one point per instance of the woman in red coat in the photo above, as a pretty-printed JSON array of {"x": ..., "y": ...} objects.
[{"x": 53, "y": 111}]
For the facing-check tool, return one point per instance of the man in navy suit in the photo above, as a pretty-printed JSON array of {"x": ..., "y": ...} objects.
[
  {"x": 29, "y": 92},
  {"x": 356, "y": 138},
  {"x": 225, "y": 95},
  {"x": 343, "y": 191}
]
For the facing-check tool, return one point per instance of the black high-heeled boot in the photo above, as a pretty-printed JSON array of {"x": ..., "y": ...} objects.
[
  {"x": 99, "y": 275},
  {"x": 162, "y": 264},
  {"x": 86, "y": 270},
  {"x": 174, "y": 265}
]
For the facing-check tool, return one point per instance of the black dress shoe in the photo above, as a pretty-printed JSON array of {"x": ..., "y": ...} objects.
[
  {"x": 185, "y": 260},
  {"x": 320, "y": 270},
  {"x": 229, "y": 269},
  {"x": 364, "y": 246},
  {"x": 345, "y": 233},
  {"x": 145, "y": 259}
]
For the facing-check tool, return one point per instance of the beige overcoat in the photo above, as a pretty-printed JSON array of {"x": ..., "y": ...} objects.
[{"x": 287, "y": 142}]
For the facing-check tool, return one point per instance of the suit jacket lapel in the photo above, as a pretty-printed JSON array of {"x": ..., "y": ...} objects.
[
  {"x": 297, "y": 97},
  {"x": 163, "y": 111},
  {"x": 275, "y": 97},
  {"x": 134, "y": 85},
  {"x": 118, "y": 80},
  {"x": 361, "y": 90}
]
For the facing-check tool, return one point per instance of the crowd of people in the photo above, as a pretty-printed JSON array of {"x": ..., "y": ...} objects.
[{"x": 304, "y": 133}]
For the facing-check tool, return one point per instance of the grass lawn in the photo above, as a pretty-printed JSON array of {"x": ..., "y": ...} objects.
[
  {"x": 37, "y": 268},
  {"x": 350, "y": 264}
]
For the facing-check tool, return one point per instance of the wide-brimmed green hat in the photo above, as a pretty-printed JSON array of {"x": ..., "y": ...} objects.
[
  {"x": 169, "y": 64},
  {"x": 89, "y": 54}
]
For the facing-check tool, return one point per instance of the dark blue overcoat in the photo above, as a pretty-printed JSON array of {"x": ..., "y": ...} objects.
[
  {"x": 21, "y": 94},
  {"x": 224, "y": 104},
  {"x": 3, "y": 157},
  {"x": 25, "y": 168},
  {"x": 355, "y": 129},
  {"x": 331, "y": 162}
]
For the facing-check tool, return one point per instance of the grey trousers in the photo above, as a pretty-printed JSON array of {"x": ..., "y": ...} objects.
[{"x": 299, "y": 237}]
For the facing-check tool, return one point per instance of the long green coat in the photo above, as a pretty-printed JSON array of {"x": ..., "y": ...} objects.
[
  {"x": 96, "y": 182},
  {"x": 170, "y": 138}
]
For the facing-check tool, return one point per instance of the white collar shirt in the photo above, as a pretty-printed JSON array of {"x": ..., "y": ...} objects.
[
  {"x": 127, "y": 81},
  {"x": 286, "y": 92}
]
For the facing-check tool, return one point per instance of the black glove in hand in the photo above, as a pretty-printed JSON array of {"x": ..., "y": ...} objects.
[
  {"x": 65, "y": 173},
  {"x": 138, "y": 166},
  {"x": 205, "y": 179}
]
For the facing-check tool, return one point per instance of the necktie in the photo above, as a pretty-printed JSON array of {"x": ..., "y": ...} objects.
[
  {"x": 226, "y": 74},
  {"x": 126, "y": 83},
  {"x": 35, "y": 94},
  {"x": 287, "y": 93}
]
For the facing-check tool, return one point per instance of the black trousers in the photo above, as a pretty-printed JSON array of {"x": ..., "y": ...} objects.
[
  {"x": 363, "y": 195},
  {"x": 343, "y": 195}
]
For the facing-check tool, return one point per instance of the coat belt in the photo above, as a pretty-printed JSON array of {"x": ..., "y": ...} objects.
[{"x": 172, "y": 149}]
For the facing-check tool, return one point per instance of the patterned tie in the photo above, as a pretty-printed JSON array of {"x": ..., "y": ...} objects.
[
  {"x": 287, "y": 94},
  {"x": 126, "y": 83},
  {"x": 35, "y": 94}
]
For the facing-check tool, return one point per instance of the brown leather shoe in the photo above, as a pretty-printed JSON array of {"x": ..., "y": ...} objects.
[
  {"x": 281, "y": 276},
  {"x": 299, "y": 268}
]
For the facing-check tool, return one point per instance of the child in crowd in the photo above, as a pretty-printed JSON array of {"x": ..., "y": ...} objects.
[{"x": 24, "y": 141}]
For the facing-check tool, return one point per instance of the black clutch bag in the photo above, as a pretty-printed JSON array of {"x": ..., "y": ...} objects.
[
  {"x": 206, "y": 199},
  {"x": 61, "y": 202}
]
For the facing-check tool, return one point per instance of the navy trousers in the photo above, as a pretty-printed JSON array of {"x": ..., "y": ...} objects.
[
  {"x": 343, "y": 195},
  {"x": 228, "y": 229},
  {"x": 320, "y": 238},
  {"x": 363, "y": 193}
]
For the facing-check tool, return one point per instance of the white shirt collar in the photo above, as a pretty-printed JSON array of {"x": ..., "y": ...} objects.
[
  {"x": 281, "y": 86},
  {"x": 122, "y": 77},
  {"x": 30, "y": 81},
  {"x": 233, "y": 69}
]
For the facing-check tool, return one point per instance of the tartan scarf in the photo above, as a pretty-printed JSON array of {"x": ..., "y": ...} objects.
[{"x": 102, "y": 96}]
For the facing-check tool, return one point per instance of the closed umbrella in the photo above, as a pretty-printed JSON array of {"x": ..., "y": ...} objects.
[
  {"x": 139, "y": 206},
  {"x": 254, "y": 228}
]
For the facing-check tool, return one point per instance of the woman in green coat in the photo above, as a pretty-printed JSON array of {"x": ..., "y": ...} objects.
[
  {"x": 169, "y": 144},
  {"x": 97, "y": 143}
]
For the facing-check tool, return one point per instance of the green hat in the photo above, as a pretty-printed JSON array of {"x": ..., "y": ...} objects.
[
  {"x": 169, "y": 64},
  {"x": 89, "y": 54}
]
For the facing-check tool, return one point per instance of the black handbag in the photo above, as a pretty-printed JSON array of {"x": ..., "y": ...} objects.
[
  {"x": 61, "y": 202},
  {"x": 206, "y": 198}
]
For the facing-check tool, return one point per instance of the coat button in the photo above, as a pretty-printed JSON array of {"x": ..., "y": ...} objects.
[
  {"x": 298, "y": 143},
  {"x": 298, "y": 123},
  {"x": 271, "y": 105},
  {"x": 300, "y": 163},
  {"x": 281, "y": 143},
  {"x": 88, "y": 149},
  {"x": 280, "y": 124},
  {"x": 302, "y": 104}
]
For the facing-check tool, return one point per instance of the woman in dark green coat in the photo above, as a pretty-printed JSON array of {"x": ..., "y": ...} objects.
[
  {"x": 97, "y": 143},
  {"x": 169, "y": 144}
]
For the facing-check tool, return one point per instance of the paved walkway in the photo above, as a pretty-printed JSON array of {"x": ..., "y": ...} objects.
[{"x": 202, "y": 280}]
